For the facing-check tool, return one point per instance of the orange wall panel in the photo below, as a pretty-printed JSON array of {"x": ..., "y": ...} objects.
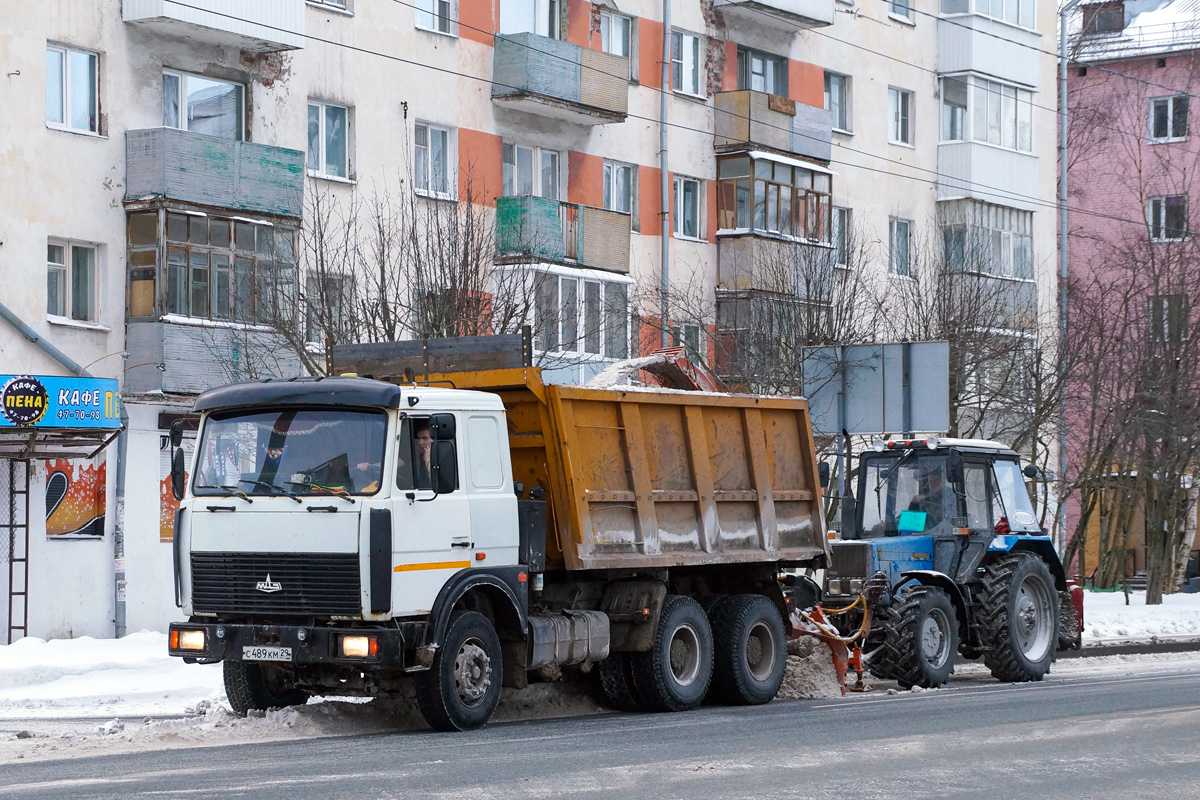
[
  {"x": 480, "y": 167},
  {"x": 579, "y": 22},
  {"x": 806, "y": 83},
  {"x": 649, "y": 201},
  {"x": 729, "y": 75},
  {"x": 650, "y": 36},
  {"x": 585, "y": 179},
  {"x": 479, "y": 19}
]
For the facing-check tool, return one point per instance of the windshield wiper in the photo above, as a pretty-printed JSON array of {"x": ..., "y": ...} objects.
[
  {"x": 230, "y": 490},
  {"x": 335, "y": 491},
  {"x": 278, "y": 490}
]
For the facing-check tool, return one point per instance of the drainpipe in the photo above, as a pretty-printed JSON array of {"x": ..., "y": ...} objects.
[
  {"x": 664, "y": 286},
  {"x": 122, "y": 448}
]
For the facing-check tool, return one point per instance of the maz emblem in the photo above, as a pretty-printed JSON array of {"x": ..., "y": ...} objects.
[{"x": 268, "y": 585}]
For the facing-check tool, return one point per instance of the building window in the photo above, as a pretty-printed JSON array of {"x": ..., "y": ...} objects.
[
  {"x": 901, "y": 9},
  {"x": 1167, "y": 216},
  {"x": 541, "y": 17},
  {"x": 341, "y": 5},
  {"x": 688, "y": 335},
  {"x": 431, "y": 159},
  {"x": 685, "y": 63},
  {"x": 764, "y": 195},
  {"x": 72, "y": 89},
  {"x": 761, "y": 72},
  {"x": 71, "y": 280},
  {"x": 1168, "y": 318},
  {"x": 955, "y": 92},
  {"x": 324, "y": 305},
  {"x": 328, "y": 140},
  {"x": 530, "y": 171},
  {"x": 1014, "y": 12},
  {"x": 1103, "y": 18},
  {"x": 1169, "y": 118},
  {"x": 203, "y": 105},
  {"x": 578, "y": 314},
  {"x": 987, "y": 239},
  {"x": 837, "y": 100},
  {"x": 218, "y": 268},
  {"x": 1003, "y": 115},
  {"x": 436, "y": 15},
  {"x": 900, "y": 116},
  {"x": 687, "y": 207},
  {"x": 900, "y": 247},
  {"x": 615, "y": 34},
  {"x": 618, "y": 187},
  {"x": 841, "y": 236}
]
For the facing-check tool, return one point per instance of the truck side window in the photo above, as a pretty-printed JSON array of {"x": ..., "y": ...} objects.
[
  {"x": 483, "y": 444},
  {"x": 979, "y": 505},
  {"x": 412, "y": 454}
]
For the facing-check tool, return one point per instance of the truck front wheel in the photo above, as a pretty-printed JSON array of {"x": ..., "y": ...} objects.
[
  {"x": 461, "y": 690},
  {"x": 1018, "y": 613},
  {"x": 675, "y": 674},
  {"x": 250, "y": 686},
  {"x": 750, "y": 646}
]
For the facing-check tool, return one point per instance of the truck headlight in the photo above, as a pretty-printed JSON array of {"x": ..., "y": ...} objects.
[
  {"x": 835, "y": 586},
  {"x": 360, "y": 647},
  {"x": 187, "y": 640}
]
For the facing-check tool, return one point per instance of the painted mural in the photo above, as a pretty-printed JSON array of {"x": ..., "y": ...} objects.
[{"x": 76, "y": 498}]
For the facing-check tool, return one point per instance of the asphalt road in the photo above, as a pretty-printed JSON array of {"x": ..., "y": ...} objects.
[{"x": 1111, "y": 735}]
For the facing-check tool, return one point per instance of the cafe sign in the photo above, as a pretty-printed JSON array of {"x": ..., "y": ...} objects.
[{"x": 34, "y": 401}]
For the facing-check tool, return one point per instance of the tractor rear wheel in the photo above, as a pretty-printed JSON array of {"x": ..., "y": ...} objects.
[
  {"x": 1018, "y": 616},
  {"x": 922, "y": 639},
  {"x": 1070, "y": 636}
]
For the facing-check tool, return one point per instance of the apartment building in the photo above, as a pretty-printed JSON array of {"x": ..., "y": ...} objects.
[{"x": 171, "y": 152}]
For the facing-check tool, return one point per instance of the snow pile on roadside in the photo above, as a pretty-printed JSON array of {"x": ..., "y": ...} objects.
[
  {"x": 1106, "y": 617},
  {"x": 810, "y": 673}
]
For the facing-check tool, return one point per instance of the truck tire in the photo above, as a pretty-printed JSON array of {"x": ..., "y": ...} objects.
[
  {"x": 250, "y": 686},
  {"x": 922, "y": 639},
  {"x": 1018, "y": 617},
  {"x": 1070, "y": 637},
  {"x": 461, "y": 690},
  {"x": 674, "y": 675},
  {"x": 616, "y": 682},
  {"x": 749, "y": 650}
]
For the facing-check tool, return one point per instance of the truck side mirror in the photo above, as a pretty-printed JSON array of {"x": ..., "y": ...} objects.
[
  {"x": 443, "y": 464},
  {"x": 441, "y": 427},
  {"x": 178, "y": 472},
  {"x": 1030, "y": 471},
  {"x": 823, "y": 474},
  {"x": 176, "y": 434}
]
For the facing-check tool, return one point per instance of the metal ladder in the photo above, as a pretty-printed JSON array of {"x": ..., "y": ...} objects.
[{"x": 17, "y": 471}]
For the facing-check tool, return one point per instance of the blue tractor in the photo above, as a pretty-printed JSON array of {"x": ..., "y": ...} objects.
[{"x": 947, "y": 529}]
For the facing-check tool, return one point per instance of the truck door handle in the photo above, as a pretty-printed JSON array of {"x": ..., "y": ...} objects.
[{"x": 462, "y": 544}]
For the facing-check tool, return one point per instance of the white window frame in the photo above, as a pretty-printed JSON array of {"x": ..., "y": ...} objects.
[
  {"x": 581, "y": 279},
  {"x": 841, "y": 223},
  {"x": 66, "y": 268},
  {"x": 845, "y": 104},
  {"x": 607, "y": 18},
  {"x": 426, "y": 159},
  {"x": 341, "y": 6},
  {"x": 900, "y": 116},
  {"x": 901, "y": 10},
  {"x": 65, "y": 52},
  {"x": 687, "y": 56},
  {"x": 322, "y": 137},
  {"x": 965, "y": 121},
  {"x": 547, "y": 17},
  {"x": 1172, "y": 135},
  {"x": 1021, "y": 13},
  {"x": 895, "y": 224},
  {"x": 611, "y": 170},
  {"x": 1022, "y": 105},
  {"x": 678, "y": 183},
  {"x": 182, "y": 93},
  {"x": 536, "y": 158},
  {"x": 1156, "y": 218},
  {"x": 437, "y": 16}
]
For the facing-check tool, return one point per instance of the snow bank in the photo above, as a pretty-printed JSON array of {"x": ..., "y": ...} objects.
[{"x": 1106, "y": 617}]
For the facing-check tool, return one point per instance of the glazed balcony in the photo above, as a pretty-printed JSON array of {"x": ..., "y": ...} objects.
[
  {"x": 258, "y": 26},
  {"x": 557, "y": 79},
  {"x": 566, "y": 233}
]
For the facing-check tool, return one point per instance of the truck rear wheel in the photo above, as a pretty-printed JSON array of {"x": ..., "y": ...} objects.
[
  {"x": 251, "y": 686},
  {"x": 1018, "y": 614},
  {"x": 675, "y": 673},
  {"x": 922, "y": 639},
  {"x": 616, "y": 682},
  {"x": 461, "y": 690},
  {"x": 750, "y": 649}
]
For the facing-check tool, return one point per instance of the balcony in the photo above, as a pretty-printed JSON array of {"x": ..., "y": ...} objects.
[
  {"x": 557, "y": 79},
  {"x": 768, "y": 13},
  {"x": 258, "y": 26},
  {"x": 746, "y": 120},
  {"x": 189, "y": 359},
  {"x": 756, "y": 262},
  {"x": 970, "y": 43},
  {"x": 566, "y": 233},
  {"x": 984, "y": 172},
  {"x": 211, "y": 171}
]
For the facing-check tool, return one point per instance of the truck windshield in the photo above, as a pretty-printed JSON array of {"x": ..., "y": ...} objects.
[
  {"x": 291, "y": 451},
  {"x": 1017, "y": 506},
  {"x": 901, "y": 484}
]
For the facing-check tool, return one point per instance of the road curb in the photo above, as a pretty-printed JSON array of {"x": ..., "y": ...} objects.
[{"x": 1132, "y": 648}]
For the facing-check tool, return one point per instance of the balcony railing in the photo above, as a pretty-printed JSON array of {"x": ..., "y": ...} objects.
[
  {"x": 560, "y": 80},
  {"x": 804, "y": 13},
  {"x": 994, "y": 174},
  {"x": 261, "y": 26},
  {"x": 551, "y": 230},
  {"x": 748, "y": 120},
  {"x": 211, "y": 171}
]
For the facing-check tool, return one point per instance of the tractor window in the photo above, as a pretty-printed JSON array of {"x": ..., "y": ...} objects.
[
  {"x": 914, "y": 483},
  {"x": 979, "y": 506},
  {"x": 1017, "y": 507}
]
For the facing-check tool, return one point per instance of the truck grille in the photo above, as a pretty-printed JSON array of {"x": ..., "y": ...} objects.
[
  {"x": 850, "y": 559},
  {"x": 301, "y": 584}
]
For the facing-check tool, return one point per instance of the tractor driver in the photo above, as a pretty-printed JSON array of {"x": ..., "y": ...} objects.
[{"x": 931, "y": 501}]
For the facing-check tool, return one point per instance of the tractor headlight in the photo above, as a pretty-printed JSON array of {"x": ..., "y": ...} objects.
[{"x": 835, "y": 586}]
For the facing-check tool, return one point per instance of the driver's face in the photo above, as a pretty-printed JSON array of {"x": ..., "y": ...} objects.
[{"x": 424, "y": 441}]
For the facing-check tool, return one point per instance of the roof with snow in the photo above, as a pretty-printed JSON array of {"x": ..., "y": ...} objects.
[{"x": 1152, "y": 27}]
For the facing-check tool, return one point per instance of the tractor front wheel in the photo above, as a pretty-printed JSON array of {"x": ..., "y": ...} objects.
[{"x": 921, "y": 639}]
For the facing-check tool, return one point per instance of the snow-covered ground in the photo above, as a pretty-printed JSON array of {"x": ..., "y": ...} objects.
[{"x": 86, "y": 696}]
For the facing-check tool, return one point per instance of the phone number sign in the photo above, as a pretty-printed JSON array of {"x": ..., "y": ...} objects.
[{"x": 35, "y": 401}]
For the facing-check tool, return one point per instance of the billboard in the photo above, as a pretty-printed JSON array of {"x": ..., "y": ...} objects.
[{"x": 35, "y": 401}]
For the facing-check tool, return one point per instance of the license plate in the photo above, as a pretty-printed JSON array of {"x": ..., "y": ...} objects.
[{"x": 250, "y": 653}]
